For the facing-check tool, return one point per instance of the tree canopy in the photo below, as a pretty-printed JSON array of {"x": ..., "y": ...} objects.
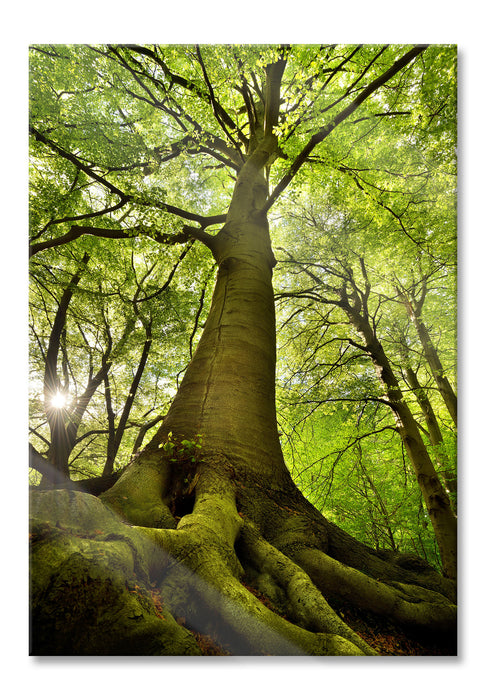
[{"x": 177, "y": 192}]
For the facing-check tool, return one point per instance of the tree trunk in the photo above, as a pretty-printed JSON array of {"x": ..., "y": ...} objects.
[
  {"x": 228, "y": 391},
  {"x": 115, "y": 436},
  {"x": 435, "y": 434},
  {"x": 432, "y": 357},
  {"x": 443, "y": 384},
  {"x": 60, "y": 447},
  {"x": 436, "y": 499},
  {"x": 227, "y": 395}
]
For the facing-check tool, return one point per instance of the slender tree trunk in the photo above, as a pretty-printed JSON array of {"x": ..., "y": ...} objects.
[
  {"x": 110, "y": 414},
  {"x": 443, "y": 384},
  {"x": 367, "y": 480},
  {"x": 435, "y": 434},
  {"x": 428, "y": 413},
  {"x": 432, "y": 357},
  {"x": 60, "y": 447},
  {"x": 436, "y": 499},
  {"x": 64, "y": 422},
  {"x": 116, "y": 437}
]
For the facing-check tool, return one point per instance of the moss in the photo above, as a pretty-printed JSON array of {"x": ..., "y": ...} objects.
[
  {"x": 103, "y": 587},
  {"x": 87, "y": 610},
  {"x": 89, "y": 596},
  {"x": 74, "y": 509}
]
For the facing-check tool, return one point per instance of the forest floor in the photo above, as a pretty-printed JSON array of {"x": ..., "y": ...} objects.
[{"x": 390, "y": 640}]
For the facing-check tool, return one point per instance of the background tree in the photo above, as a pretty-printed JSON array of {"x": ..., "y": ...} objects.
[
  {"x": 338, "y": 286},
  {"x": 220, "y": 133}
]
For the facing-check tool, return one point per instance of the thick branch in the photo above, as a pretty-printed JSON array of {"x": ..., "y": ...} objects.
[
  {"x": 188, "y": 232},
  {"x": 78, "y": 163},
  {"x": 80, "y": 217},
  {"x": 318, "y": 137},
  {"x": 274, "y": 73}
]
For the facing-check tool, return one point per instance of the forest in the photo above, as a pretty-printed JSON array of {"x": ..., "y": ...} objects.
[{"x": 242, "y": 345}]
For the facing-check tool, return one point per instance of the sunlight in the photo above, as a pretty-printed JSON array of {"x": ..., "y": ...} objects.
[{"x": 59, "y": 400}]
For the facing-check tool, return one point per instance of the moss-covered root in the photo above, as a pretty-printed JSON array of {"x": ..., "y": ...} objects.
[
  {"x": 216, "y": 604},
  {"x": 90, "y": 585},
  {"x": 276, "y": 573},
  {"x": 89, "y": 596},
  {"x": 407, "y": 605},
  {"x": 203, "y": 588},
  {"x": 137, "y": 496}
]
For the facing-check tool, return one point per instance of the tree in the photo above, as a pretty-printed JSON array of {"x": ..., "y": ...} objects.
[
  {"x": 205, "y": 531},
  {"x": 352, "y": 297},
  {"x": 100, "y": 337},
  {"x": 325, "y": 274},
  {"x": 414, "y": 309}
]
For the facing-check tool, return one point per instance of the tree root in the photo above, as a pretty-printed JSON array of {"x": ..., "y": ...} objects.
[
  {"x": 215, "y": 603},
  {"x": 307, "y": 605},
  {"x": 408, "y": 605},
  {"x": 203, "y": 569},
  {"x": 210, "y": 573}
]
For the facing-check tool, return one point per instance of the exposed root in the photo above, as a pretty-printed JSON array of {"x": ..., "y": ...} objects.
[
  {"x": 215, "y": 603},
  {"x": 395, "y": 586},
  {"x": 196, "y": 570},
  {"x": 208, "y": 574},
  {"x": 138, "y": 495},
  {"x": 305, "y": 603},
  {"x": 406, "y": 604},
  {"x": 89, "y": 596}
]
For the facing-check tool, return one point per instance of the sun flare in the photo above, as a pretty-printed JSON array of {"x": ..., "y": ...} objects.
[{"x": 59, "y": 400}]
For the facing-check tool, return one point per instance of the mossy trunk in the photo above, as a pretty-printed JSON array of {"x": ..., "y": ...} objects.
[{"x": 226, "y": 401}]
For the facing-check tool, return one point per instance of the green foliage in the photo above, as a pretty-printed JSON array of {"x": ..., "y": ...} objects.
[
  {"x": 141, "y": 141},
  {"x": 181, "y": 449}
]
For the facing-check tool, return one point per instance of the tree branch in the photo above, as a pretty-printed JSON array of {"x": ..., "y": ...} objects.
[
  {"x": 51, "y": 379},
  {"x": 78, "y": 163},
  {"x": 274, "y": 73},
  {"x": 218, "y": 111},
  {"x": 188, "y": 232},
  {"x": 318, "y": 137}
]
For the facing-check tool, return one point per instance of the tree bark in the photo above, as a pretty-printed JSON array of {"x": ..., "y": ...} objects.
[{"x": 434, "y": 432}]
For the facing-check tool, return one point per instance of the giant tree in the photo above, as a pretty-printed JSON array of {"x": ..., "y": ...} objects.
[{"x": 205, "y": 529}]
